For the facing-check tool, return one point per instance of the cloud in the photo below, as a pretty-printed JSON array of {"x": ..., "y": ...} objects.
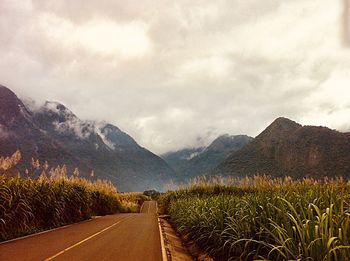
[
  {"x": 179, "y": 73},
  {"x": 80, "y": 129},
  {"x": 100, "y": 35},
  {"x": 98, "y": 126},
  {"x": 331, "y": 103}
]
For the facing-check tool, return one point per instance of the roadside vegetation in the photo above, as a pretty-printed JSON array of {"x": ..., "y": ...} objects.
[
  {"x": 32, "y": 204},
  {"x": 131, "y": 202},
  {"x": 260, "y": 218}
]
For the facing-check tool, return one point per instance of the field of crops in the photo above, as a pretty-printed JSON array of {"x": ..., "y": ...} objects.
[
  {"x": 29, "y": 204},
  {"x": 265, "y": 219}
]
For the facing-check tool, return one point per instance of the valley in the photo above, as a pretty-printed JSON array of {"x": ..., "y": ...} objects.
[{"x": 281, "y": 195}]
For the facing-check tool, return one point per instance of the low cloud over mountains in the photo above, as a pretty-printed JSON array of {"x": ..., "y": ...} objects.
[{"x": 157, "y": 68}]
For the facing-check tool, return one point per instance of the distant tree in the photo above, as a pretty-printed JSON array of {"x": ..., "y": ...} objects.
[{"x": 153, "y": 194}]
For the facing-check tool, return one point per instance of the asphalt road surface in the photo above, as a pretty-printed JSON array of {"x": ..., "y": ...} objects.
[{"x": 121, "y": 237}]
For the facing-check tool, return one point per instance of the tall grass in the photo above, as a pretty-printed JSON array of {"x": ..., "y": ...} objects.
[
  {"x": 131, "y": 201},
  {"x": 29, "y": 204},
  {"x": 265, "y": 219}
]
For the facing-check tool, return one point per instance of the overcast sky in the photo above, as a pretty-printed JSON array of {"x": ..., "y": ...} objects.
[{"x": 175, "y": 74}]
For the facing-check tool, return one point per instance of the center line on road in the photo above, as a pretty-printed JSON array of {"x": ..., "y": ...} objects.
[
  {"x": 149, "y": 205},
  {"x": 86, "y": 239}
]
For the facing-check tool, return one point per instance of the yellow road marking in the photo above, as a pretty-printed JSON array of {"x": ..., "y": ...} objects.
[{"x": 86, "y": 239}]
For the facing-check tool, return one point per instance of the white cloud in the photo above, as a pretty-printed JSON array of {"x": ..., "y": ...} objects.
[
  {"x": 178, "y": 73},
  {"x": 82, "y": 130},
  {"x": 98, "y": 126},
  {"x": 330, "y": 105},
  {"x": 98, "y": 35},
  {"x": 214, "y": 66}
]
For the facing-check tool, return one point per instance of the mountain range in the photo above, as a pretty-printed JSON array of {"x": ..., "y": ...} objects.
[
  {"x": 191, "y": 162},
  {"x": 286, "y": 148},
  {"x": 55, "y": 134}
]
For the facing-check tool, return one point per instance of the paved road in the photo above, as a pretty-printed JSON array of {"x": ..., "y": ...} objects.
[{"x": 124, "y": 237}]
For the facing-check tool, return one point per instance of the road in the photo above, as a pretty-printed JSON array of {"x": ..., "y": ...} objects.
[{"x": 124, "y": 237}]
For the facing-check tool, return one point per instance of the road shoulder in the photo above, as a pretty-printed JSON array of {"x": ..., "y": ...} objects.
[{"x": 174, "y": 248}]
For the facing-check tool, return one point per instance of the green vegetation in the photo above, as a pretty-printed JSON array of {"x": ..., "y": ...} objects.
[
  {"x": 265, "y": 219},
  {"x": 153, "y": 194},
  {"x": 29, "y": 205},
  {"x": 131, "y": 202}
]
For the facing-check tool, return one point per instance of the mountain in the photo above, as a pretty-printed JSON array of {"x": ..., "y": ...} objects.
[
  {"x": 55, "y": 134},
  {"x": 189, "y": 163},
  {"x": 180, "y": 160},
  {"x": 18, "y": 131},
  {"x": 286, "y": 148}
]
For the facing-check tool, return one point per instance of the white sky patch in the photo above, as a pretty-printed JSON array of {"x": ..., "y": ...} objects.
[
  {"x": 213, "y": 66},
  {"x": 293, "y": 31},
  {"x": 100, "y": 35},
  {"x": 178, "y": 114},
  {"x": 148, "y": 124},
  {"x": 330, "y": 105},
  {"x": 144, "y": 121}
]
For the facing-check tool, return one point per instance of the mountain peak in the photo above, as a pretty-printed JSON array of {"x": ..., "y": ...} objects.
[
  {"x": 224, "y": 136},
  {"x": 227, "y": 142},
  {"x": 55, "y": 106},
  {"x": 280, "y": 127},
  {"x": 6, "y": 93},
  {"x": 11, "y": 106},
  {"x": 5, "y": 89},
  {"x": 113, "y": 135},
  {"x": 59, "y": 109},
  {"x": 284, "y": 124},
  {"x": 286, "y": 148},
  {"x": 229, "y": 137},
  {"x": 198, "y": 161}
]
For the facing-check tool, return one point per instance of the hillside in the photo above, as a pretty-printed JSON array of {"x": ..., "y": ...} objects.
[
  {"x": 55, "y": 134},
  {"x": 18, "y": 131},
  {"x": 189, "y": 163},
  {"x": 286, "y": 148},
  {"x": 180, "y": 160}
]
